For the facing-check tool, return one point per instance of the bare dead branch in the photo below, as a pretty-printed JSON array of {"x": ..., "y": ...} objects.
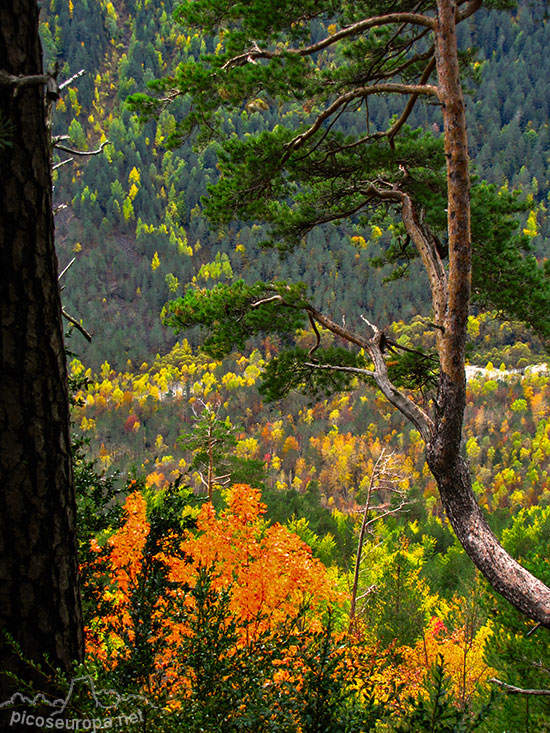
[
  {"x": 367, "y": 592},
  {"x": 271, "y": 299},
  {"x": 170, "y": 96},
  {"x": 74, "y": 77},
  {"x": 76, "y": 324},
  {"x": 250, "y": 56},
  {"x": 63, "y": 162},
  {"x": 81, "y": 152},
  {"x": 66, "y": 268},
  {"x": 532, "y": 631},
  {"x": 337, "y": 329},
  {"x": 381, "y": 474},
  {"x": 388, "y": 513},
  {"x": 373, "y": 326},
  {"x": 335, "y": 368},
  {"x": 361, "y": 539},
  {"x": 513, "y": 690},
  {"x": 224, "y": 479},
  {"x": 66, "y": 315}
]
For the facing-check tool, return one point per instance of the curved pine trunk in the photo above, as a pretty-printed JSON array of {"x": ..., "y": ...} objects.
[{"x": 513, "y": 582}]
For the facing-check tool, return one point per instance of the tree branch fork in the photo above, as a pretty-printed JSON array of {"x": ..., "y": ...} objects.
[{"x": 373, "y": 345}]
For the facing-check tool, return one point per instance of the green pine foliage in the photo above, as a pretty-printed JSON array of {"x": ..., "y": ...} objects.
[
  {"x": 520, "y": 652},
  {"x": 313, "y": 373},
  {"x": 232, "y": 314}
]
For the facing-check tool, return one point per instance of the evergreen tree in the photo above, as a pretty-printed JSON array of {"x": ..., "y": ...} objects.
[
  {"x": 40, "y": 604},
  {"x": 328, "y": 60}
]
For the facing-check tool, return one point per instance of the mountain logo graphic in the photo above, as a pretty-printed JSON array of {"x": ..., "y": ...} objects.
[{"x": 107, "y": 700}]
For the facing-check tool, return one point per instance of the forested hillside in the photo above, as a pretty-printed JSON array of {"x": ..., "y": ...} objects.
[
  {"x": 134, "y": 212},
  {"x": 265, "y": 574},
  {"x": 136, "y": 418}
]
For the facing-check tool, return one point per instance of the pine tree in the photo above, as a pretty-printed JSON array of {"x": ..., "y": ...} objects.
[
  {"x": 325, "y": 61},
  {"x": 39, "y": 605}
]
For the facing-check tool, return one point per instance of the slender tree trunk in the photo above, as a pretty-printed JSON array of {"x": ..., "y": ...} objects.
[
  {"x": 210, "y": 464},
  {"x": 360, "y": 543},
  {"x": 39, "y": 599},
  {"x": 516, "y": 584}
]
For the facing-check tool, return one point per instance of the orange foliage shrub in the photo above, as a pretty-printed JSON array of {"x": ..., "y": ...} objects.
[
  {"x": 121, "y": 560},
  {"x": 268, "y": 572}
]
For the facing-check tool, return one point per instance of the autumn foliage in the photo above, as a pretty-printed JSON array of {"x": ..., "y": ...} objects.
[
  {"x": 119, "y": 564},
  {"x": 266, "y": 576},
  {"x": 269, "y": 571},
  {"x": 228, "y": 606}
]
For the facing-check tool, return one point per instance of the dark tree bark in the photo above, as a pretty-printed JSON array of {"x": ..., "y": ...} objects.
[{"x": 39, "y": 598}]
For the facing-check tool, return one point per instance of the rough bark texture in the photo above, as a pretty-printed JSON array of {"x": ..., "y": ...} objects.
[
  {"x": 516, "y": 584},
  {"x": 39, "y": 600},
  {"x": 513, "y": 582}
]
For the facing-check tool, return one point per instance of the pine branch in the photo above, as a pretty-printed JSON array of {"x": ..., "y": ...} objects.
[
  {"x": 404, "y": 404},
  {"x": 394, "y": 129},
  {"x": 469, "y": 10},
  {"x": 255, "y": 52},
  {"x": 359, "y": 93},
  {"x": 317, "y": 335}
]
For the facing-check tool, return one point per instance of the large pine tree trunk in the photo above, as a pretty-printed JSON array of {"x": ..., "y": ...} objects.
[
  {"x": 39, "y": 598},
  {"x": 516, "y": 584}
]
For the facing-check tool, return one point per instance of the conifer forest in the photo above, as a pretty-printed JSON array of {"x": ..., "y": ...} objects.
[{"x": 275, "y": 395}]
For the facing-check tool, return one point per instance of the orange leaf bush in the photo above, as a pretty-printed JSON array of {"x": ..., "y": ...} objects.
[
  {"x": 267, "y": 574},
  {"x": 120, "y": 562},
  {"x": 269, "y": 570}
]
